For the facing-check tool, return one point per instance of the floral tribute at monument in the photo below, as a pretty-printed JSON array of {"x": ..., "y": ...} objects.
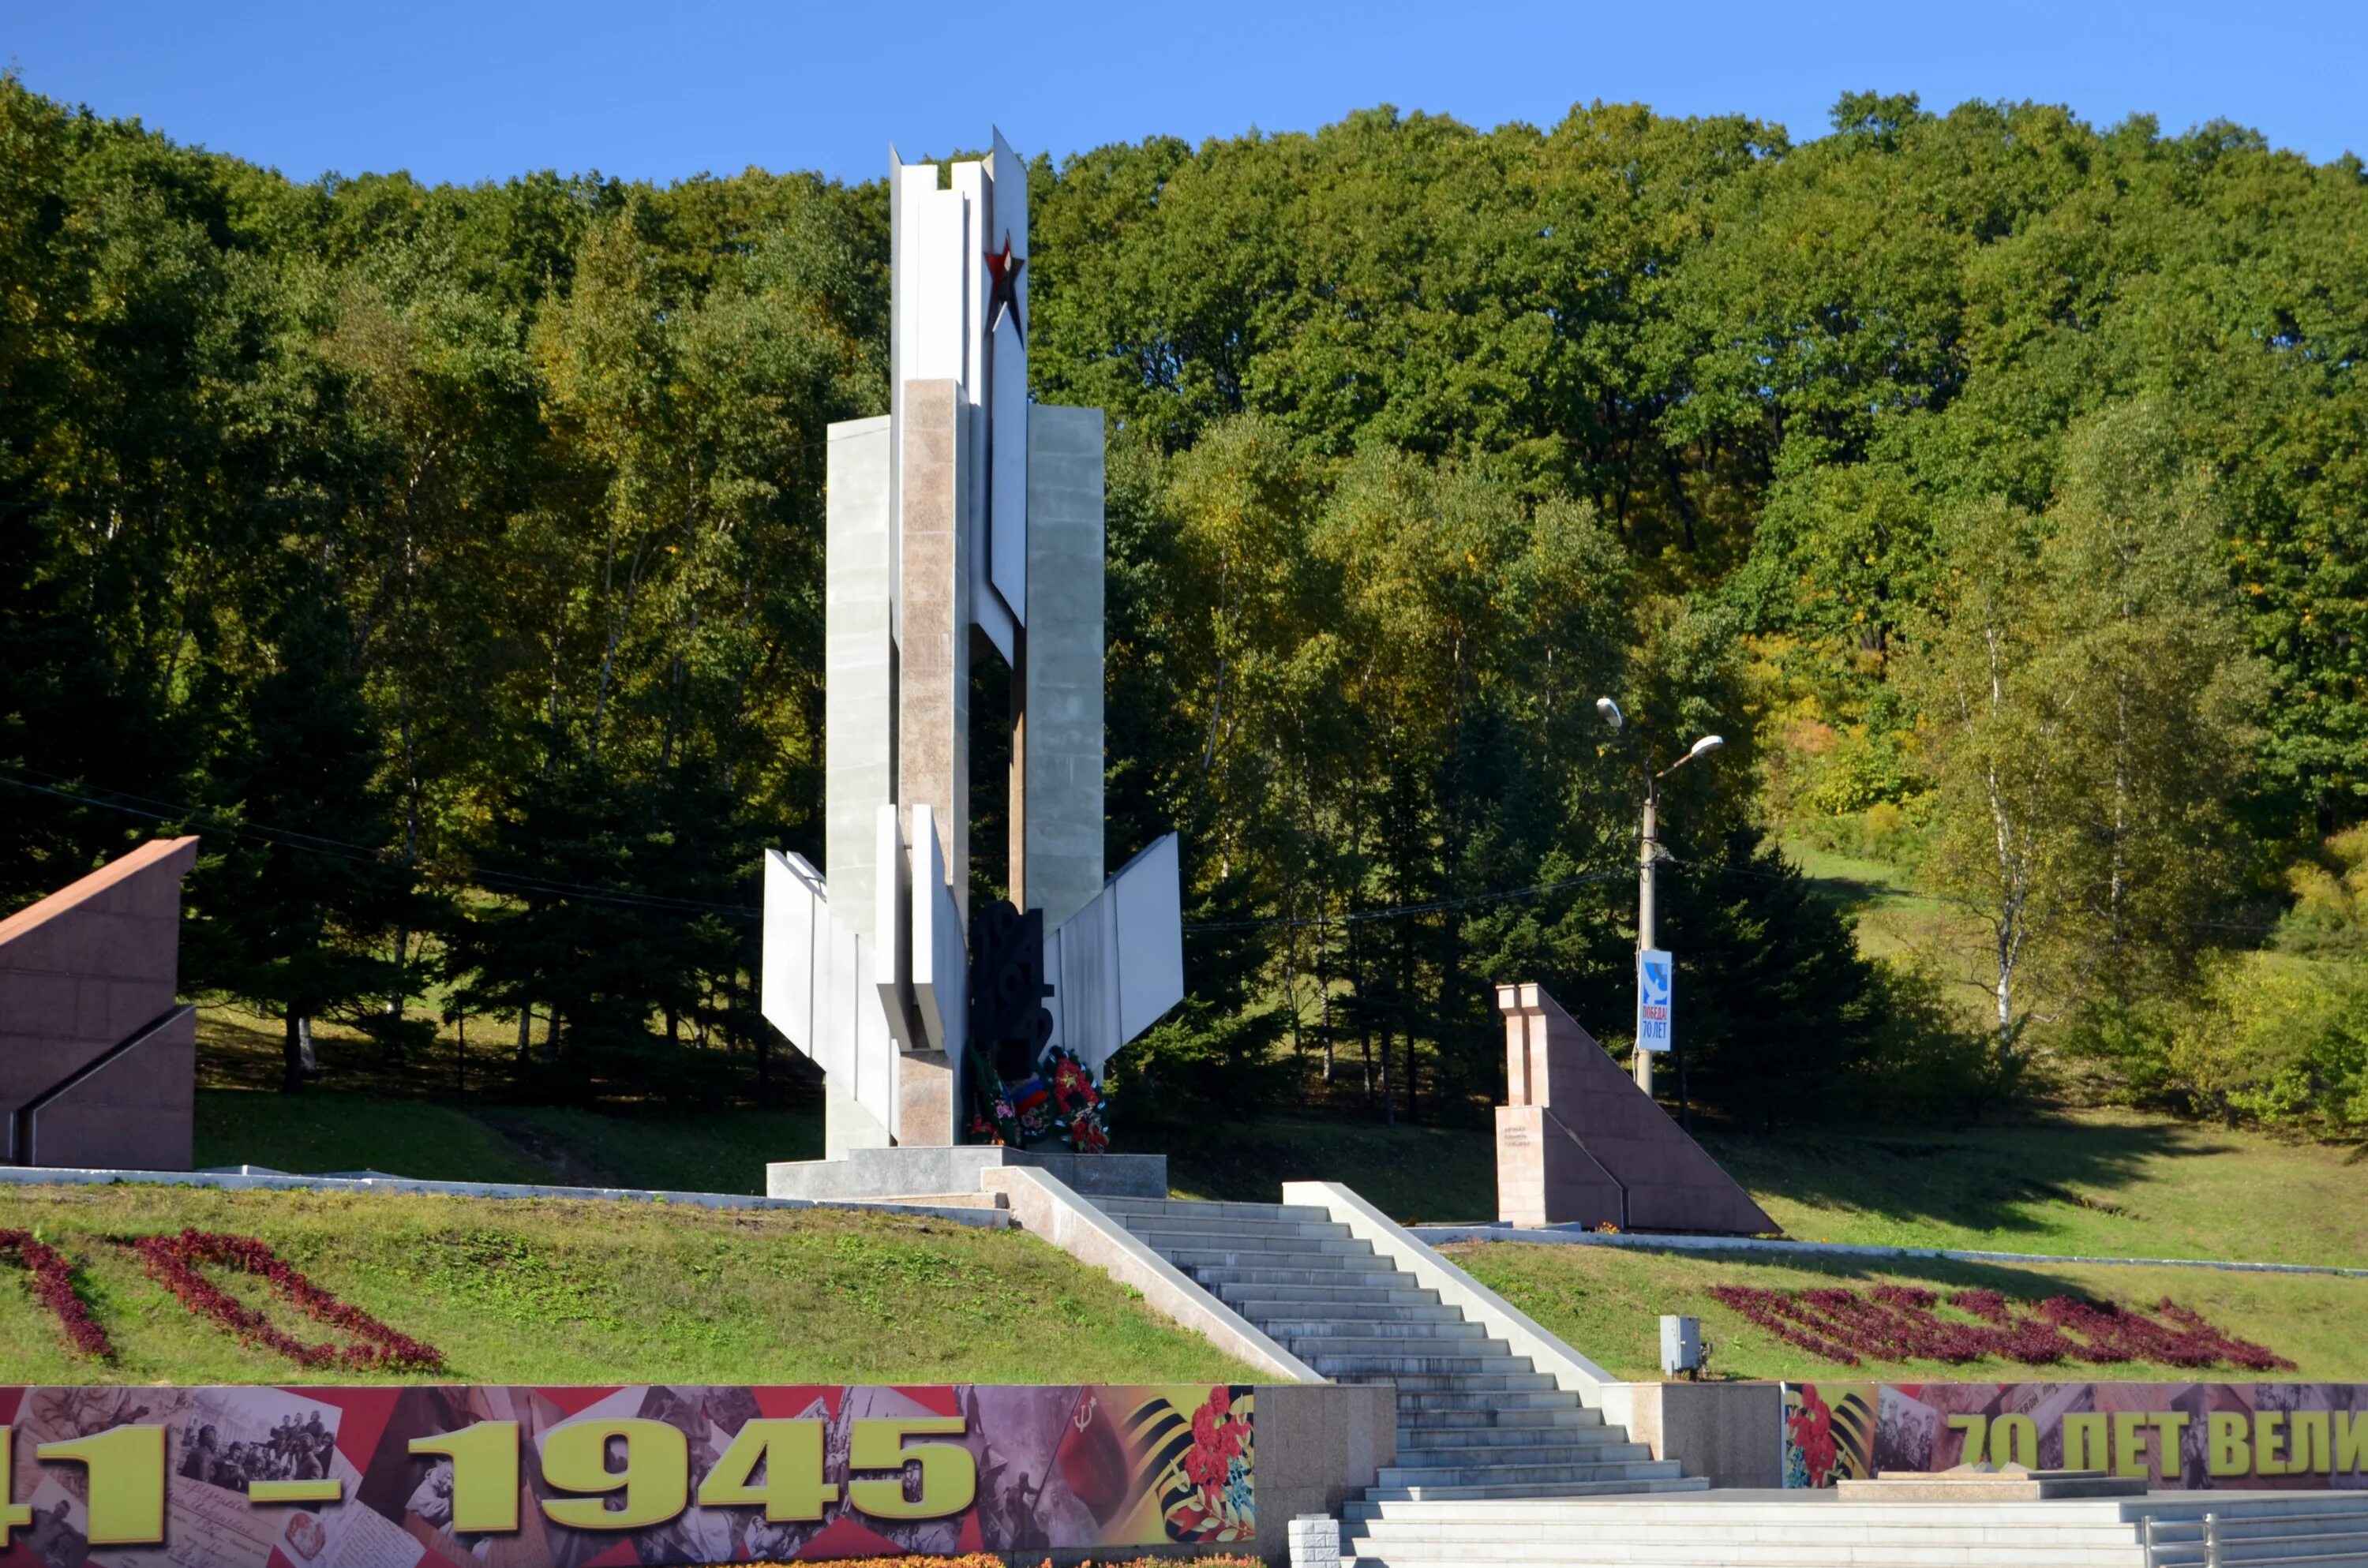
[{"x": 397, "y": 1477}]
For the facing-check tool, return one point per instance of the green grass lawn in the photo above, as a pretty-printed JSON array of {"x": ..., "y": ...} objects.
[
  {"x": 1607, "y": 1302},
  {"x": 2102, "y": 1184},
  {"x": 2097, "y": 1183},
  {"x": 1411, "y": 1172},
  {"x": 547, "y": 1291},
  {"x": 710, "y": 1150}
]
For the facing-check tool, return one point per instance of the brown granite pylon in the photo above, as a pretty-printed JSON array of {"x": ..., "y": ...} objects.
[
  {"x": 1580, "y": 1143},
  {"x": 98, "y": 1053}
]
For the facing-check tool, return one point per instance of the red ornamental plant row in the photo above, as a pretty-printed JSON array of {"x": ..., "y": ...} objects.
[
  {"x": 53, "y": 1283},
  {"x": 174, "y": 1262},
  {"x": 1897, "y": 1323}
]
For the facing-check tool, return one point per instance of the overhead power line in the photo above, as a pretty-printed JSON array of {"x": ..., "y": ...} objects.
[{"x": 338, "y": 849}]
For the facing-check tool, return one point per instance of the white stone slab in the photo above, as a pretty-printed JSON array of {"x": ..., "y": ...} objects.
[
  {"x": 1006, "y": 380},
  {"x": 940, "y": 956},
  {"x": 1062, "y": 799}
]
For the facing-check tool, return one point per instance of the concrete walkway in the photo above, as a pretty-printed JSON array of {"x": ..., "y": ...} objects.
[{"x": 1555, "y": 1235}]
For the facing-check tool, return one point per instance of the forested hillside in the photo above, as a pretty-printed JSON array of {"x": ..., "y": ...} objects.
[{"x": 1994, "y": 483}]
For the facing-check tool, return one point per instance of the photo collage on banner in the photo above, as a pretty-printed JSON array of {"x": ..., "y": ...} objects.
[
  {"x": 2194, "y": 1436},
  {"x": 509, "y": 1477}
]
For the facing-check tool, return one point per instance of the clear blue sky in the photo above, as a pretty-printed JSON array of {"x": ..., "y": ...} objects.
[{"x": 484, "y": 90}]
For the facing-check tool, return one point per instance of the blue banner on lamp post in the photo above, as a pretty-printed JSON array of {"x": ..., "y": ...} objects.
[{"x": 1655, "y": 978}]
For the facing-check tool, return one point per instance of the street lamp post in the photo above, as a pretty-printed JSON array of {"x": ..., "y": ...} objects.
[{"x": 1648, "y": 856}]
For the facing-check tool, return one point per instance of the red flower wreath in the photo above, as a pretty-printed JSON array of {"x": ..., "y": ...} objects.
[
  {"x": 53, "y": 1283},
  {"x": 174, "y": 1261}
]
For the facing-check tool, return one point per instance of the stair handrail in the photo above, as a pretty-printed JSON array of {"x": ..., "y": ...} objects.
[{"x": 1478, "y": 1303}]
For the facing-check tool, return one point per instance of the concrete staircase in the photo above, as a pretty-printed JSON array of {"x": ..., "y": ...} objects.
[
  {"x": 1779, "y": 1529},
  {"x": 1476, "y": 1422}
]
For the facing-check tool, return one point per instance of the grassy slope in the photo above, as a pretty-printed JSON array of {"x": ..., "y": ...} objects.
[
  {"x": 1427, "y": 1173},
  {"x": 1607, "y": 1302},
  {"x": 604, "y": 1292},
  {"x": 2097, "y": 1183},
  {"x": 709, "y": 1150}
]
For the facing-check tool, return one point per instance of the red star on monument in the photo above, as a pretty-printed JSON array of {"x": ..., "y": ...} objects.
[{"x": 1004, "y": 269}]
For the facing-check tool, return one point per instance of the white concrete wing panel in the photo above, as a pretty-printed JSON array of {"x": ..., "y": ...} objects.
[
  {"x": 1007, "y": 385},
  {"x": 785, "y": 986},
  {"x": 891, "y": 931},
  {"x": 1150, "y": 925},
  {"x": 835, "y": 998},
  {"x": 859, "y": 650},
  {"x": 940, "y": 957},
  {"x": 1118, "y": 963},
  {"x": 1079, "y": 958},
  {"x": 871, "y": 1050},
  {"x": 933, "y": 233}
]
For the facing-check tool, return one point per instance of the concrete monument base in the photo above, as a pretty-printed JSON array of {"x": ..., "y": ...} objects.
[
  {"x": 913, "y": 1172},
  {"x": 1969, "y": 1484}
]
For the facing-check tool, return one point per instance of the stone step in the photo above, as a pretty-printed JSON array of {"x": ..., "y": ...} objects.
[
  {"x": 1337, "y": 1273},
  {"x": 1483, "y": 1355},
  {"x": 1417, "y": 1425},
  {"x": 1965, "y": 1547},
  {"x": 1316, "y": 1329},
  {"x": 1494, "y": 1475},
  {"x": 1513, "y": 1464},
  {"x": 2176, "y": 1513},
  {"x": 1280, "y": 1232},
  {"x": 1460, "y": 1443},
  {"x": 1551, "y": 1398},
  {"x": 1279, "y": 1299},
  {"x": 1445, "y": 1383},
  {"x": 1127, "y": 1208},
  {"x": 1421, "y": 1314},
  {"x": 1391, "y": 1500},
  {"x": 1805, "y": 1531},
  {"x": 1251, "y": 1253},
  {"x": 1389, "y": 1361}
]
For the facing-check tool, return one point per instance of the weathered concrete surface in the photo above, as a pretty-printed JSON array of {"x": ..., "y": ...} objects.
[
  {"x": 904, "y": 1171},
  {"x": 925, "y": 1099},
  {"x": 1320, "y": 1444},
  {"x": 1731, "y": 1434},
  {"x": 1581, "y": 1144},
  {"x": 859, "y": 703},
  {"x": 1045, "y": 1205},
  {"x": 92, "y": 968},
  {"x": 1456, "y": 1288},
  {"x": 2002, "y": 1487},
  {"x": 1059, "y": 856},
  {"x": 133, "y": 1106},
  {"x": 933, "y": 624}
]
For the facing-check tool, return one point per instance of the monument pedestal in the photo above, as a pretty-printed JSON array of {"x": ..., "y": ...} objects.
[
  {"x": 1582, "y": 1144},
  {"x": 913, "y": 1172}
]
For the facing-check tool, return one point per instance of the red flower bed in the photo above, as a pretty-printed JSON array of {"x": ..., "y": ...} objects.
[
  {"x": 53, "y": 1283},
  {"x": 1898, "y": 1323},
  {"x": 174, "y": 1262}
]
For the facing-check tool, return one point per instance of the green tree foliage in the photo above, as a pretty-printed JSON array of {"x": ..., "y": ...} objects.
[{"x": 1423, "y": 436}]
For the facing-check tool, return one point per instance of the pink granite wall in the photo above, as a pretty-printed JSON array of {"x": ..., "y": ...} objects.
[
  {"x": 90, "y": 968},
  {"x": 1582, "y": 1144}
]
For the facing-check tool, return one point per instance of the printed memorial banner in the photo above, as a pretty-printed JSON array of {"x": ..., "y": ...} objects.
[
  {"x": 469, "y": 1477},
  {"x": 2196, "y": 1436}
]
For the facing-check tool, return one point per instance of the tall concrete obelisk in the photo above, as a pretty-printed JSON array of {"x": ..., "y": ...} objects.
[{"x": 967, "y": 524}]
